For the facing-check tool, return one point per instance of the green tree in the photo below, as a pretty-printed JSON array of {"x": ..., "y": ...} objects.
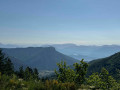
[
  {"x": 64, "y": 74},
  {"x": 27, "y": 74},
  {"x": 80, "y": 71},
  {"x": 107, "y": 80},
  {"x": 21, "y": 72},
  {"x": 70, "y": 75},
  {"x": 9, "y": 68},
  {"x": 94, "y": 80},
  {"x": 36, "y": 74},
  {"x": 103, "y": 81},
  {"x": 6, "y": 66},
  {"x": 2, "y": 58}
]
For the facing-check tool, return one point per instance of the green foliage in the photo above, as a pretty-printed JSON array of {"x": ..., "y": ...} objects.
[
  {"x": 9, "y": 68},
  {"x": 35, "y": 85},
  {"x": 65, "y": 74},
  {"x": 80, "y": 71},
  {"x": 28, "y": 73},
  {"x": 6, "y": 66},
  {"x": 21, "y": 72},
  {"x": 108, "y": 81},
  {"x": 55, "y": 85},
  {"x": 103, "y": 80},
  {"x": 35, "y": 73},
  {"x": 2, "y": 58},
  {"x": 14, "y": 83},
  {"x": 94, "y": 80},
  {"x": 111, "y": 63}
]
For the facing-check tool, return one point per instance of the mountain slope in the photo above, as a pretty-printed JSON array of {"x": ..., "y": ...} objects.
[
  {"x": 89, "y": 51},
  {"x": 86, "y": 58},
  {"x": 17, "y": 63},
  {"x": 43, "y": 58},
  {"x": 111, "y": 63}
]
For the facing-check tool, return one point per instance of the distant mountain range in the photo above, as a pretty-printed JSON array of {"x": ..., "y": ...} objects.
[
  {"x": 111, "y": 63},
  {"x": 8, "y": 45},
  {"x": 87, "y": 52},
  {"x": 43, "y": 58},
  {"x": 79, "y": 52}
]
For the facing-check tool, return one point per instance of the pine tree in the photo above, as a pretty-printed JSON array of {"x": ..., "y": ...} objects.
[
  {"x": 21, "y": 72},
  {"x": 1, "y": 62},
  {"x": 6, "y": 66},
  {"x": 9, "y": 68},
  {"x": 36, "y": 74},
  {"x": 28, "y": 74}
]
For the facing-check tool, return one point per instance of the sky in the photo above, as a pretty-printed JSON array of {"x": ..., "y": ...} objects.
[{"x": 82, "y": 22}]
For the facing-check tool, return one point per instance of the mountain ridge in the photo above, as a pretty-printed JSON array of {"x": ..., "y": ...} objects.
[
  {"x": 111, "y": 63},
  {"x": 43, "y": 58}
]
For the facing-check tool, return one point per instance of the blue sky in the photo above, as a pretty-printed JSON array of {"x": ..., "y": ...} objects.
[{"x": 86, "y": 22}]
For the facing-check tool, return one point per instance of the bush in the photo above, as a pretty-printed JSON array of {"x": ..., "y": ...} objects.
[{"x": 55, "y": 85}]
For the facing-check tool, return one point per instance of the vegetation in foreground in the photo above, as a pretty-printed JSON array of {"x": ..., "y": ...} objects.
[{"x": 67, "y": 78}]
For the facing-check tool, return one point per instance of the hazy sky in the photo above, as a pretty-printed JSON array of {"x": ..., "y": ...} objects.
[{"x": 89, "y": 22}]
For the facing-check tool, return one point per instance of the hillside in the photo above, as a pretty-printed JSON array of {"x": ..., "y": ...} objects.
[
  {"x": 43, "y": 58},
  {"x": 111, "y": 63},
  {"x": 16, "y": 62}
]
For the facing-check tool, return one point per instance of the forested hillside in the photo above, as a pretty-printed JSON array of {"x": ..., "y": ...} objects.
[{"x": 111, "y": 63}]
